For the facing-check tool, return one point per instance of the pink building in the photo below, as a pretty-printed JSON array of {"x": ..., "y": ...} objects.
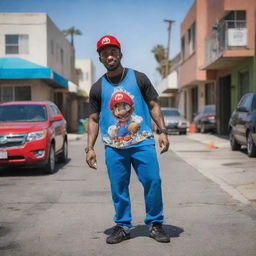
[{"x": 216, "y": 37}]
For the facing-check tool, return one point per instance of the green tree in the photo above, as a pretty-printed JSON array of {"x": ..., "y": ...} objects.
[
  {"x": 160, "y": 55},
  {"x": 72, "y": 32}
]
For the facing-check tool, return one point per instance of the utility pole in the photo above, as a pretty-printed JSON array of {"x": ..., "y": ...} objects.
[{"x": 168, "y": 45}]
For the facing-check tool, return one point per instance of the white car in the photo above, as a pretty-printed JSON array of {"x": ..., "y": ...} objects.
[{"x": 174, "y": 121}]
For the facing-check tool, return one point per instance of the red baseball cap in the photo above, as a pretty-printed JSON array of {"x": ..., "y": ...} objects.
[
  {"x": 107, "y": 40},
  {"x": 118, "y": 97}
]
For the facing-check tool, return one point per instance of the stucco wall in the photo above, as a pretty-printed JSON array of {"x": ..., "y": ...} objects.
[
  {"x": 87, "y": 76},
  {"x": 59, "y": 41},
  {"x": 32, "y": 24}
]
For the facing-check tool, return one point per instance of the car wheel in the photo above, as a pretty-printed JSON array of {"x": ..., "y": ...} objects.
[
  {"x": 63, "y": 157},
  {"x": 183, "y": 133},
  {"x": 202, "y": 128},
  {"x": 233, "y": 142},
  {"x": 251, "y": 147},
  {"x": 50, "y": 166}
]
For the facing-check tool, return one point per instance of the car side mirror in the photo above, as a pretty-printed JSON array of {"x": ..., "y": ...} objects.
[
  {"x": 57, "y": 117},
  {"x": 242, "y": 109}
]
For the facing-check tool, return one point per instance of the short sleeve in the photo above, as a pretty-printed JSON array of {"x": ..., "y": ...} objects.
[
  {"x": 95, "y": 98},
  {"x": 147, "y": 89}
]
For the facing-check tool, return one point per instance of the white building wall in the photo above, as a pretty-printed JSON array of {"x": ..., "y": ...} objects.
[
  {"x": 57, "y": 42},
  {"x": 31, "y": 24},
  {"x": 41, "y": 31},
  {"x": 170, "y": 82},
  {"x": 86, "y": 78}
]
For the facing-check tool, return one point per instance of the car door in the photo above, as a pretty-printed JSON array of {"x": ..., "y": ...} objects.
[
  {"x": 55, "y": 128},
  {"x": 243, "y": 118},
  {"x": 61, "y": 127}
]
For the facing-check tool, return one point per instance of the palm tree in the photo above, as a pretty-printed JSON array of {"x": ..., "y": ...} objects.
[
  {"x": 160, "y": 56},
  {"x": 72, "y": 32}
]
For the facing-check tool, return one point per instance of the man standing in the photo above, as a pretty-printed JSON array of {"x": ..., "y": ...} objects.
[{"x": 121, "y": 103}]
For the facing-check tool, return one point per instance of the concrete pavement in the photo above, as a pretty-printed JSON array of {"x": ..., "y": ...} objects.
[
  {"x": 70, "y": 213},
  {"x": 234, "y": 171}
]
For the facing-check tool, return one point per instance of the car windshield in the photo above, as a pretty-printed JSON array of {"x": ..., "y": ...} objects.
[
  {"x": 170, "y": 112},
  {"x": 23, "y": 113},
  {"x": 211, "y": 109}
]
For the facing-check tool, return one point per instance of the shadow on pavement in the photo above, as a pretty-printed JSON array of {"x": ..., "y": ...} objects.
[
  {"x": 143, "y": 230},
  {"x": 27, "y": 171}
]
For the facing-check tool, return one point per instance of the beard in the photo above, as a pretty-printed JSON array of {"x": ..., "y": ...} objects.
[{"x": 112, "y": 67}]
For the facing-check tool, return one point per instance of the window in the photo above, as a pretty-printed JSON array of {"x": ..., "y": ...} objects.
[
  {"x": 192, "y": 38},
  {"x": 183, "y": 48},
  {"x": 254, "y": 103},
  {"x": 23, "y": 113},
  {"x": 15, "y": 93},
  {"x": 246, "y": 101},
  {"x": 16, "y": 44}
]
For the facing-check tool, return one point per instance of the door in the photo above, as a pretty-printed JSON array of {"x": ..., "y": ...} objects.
[
  {"x": 194, "y": 101},
  {"x": 244, "y": 82},
  {"x": 243, "y": 118},
  {"x": 223, "y": 102}
]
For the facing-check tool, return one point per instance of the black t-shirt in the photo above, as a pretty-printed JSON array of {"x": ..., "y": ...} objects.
[{"x": 147, "y": 90}]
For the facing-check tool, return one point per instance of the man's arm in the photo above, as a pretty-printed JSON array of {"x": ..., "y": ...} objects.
[
  {"x": 93, "y": 130},
  {"x": 158, "y": 118}
]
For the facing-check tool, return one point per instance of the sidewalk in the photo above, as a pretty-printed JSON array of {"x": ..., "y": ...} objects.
[
  {"x": 76, "y": 136},
  {"x": 234, "y": 171}
]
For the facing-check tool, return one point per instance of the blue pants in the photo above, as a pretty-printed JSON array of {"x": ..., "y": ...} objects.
[{"x": 144, "y": 161}]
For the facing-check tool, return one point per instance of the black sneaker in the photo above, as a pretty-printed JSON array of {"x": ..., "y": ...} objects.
[
  {"x": 157, "y": 232},
  {"x": 118, "y": 235}
]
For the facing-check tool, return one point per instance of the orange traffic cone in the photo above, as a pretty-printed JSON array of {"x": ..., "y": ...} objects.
[
  {"x": 211, "y": 144},
  {"x": 192, "y": 128}
]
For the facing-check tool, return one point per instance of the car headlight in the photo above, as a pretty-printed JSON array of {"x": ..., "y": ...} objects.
[{"x": 38, "y": 135}]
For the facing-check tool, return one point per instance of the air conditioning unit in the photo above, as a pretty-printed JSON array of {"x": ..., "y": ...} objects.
[{"x": 237, "y": 37}]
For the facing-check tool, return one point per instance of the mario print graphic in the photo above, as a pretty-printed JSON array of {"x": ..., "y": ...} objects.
[{"x": 124, "y": 131}]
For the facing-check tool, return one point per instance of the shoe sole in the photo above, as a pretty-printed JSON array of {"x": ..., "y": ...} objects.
[
  {"x": 160, "y": 241},
  {"x": 125, "y": 238}
]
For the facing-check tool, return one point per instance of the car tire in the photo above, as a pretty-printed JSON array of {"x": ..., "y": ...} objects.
[
  {"x": 234, "y": 145},
  {"x": 251, "y": 147},
  {"x": 63, "y": 156},
  {"x": 50, "y": 167},
  {"x": 182, "y": 133}
]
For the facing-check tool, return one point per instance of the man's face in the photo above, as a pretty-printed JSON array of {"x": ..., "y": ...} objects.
[{"x": 110, "y": 57}]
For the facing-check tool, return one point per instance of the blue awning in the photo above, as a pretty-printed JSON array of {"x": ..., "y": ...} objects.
[{"x": 17, "y": 68}]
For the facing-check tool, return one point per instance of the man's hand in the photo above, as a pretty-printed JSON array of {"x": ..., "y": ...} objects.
[
  {"x": 91, "y": 159},
  {"x": 163, "y": 143}
]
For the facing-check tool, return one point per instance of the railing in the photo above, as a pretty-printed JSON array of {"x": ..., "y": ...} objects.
[{"x": 228, "y": 34}]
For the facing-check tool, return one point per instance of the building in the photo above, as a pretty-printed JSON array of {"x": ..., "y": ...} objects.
[
  {"x": 86, "y": 77},
  {"x": 168, "y": 87},
  {"x": 218, "y": 56},
  {"x": 38, "y": 63}
]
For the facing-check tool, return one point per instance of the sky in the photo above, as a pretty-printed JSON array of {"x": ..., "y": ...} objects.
[{"x": 138, "y": 25}]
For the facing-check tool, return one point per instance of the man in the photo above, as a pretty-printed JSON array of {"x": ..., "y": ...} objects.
[{"x": 121, "y": 103}]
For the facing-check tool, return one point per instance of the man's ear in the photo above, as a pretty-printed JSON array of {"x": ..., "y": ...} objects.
[
  {"x": 100, "y": 59},
  {"x": 121, "y": 55}
]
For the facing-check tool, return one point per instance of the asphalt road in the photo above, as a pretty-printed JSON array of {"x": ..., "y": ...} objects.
[{"x": 70, "y": 213}]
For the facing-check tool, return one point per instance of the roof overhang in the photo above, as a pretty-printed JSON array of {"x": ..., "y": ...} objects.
[{"x": 18, "y": 68}]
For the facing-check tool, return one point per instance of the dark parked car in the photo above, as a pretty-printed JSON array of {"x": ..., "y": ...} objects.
[
  {"x": 32, "y": 133},
  {"x": 205, "y": 120},
  {"x": 242, "y": 125}
]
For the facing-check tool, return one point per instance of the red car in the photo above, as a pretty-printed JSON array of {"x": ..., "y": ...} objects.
[{"x": 32, "y": 133}]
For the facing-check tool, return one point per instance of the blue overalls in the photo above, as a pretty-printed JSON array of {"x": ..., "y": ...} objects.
[{"x": 137, "y": 151}]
